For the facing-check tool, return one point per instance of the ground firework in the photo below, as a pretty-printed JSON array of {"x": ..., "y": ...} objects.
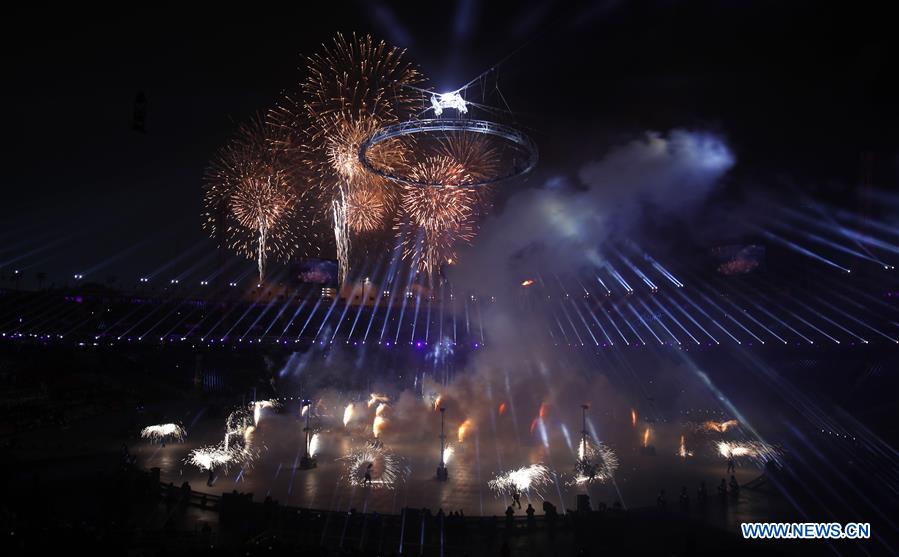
[
  {"x": 385, "y": 469},
  {"x": 163, "y": 432}
]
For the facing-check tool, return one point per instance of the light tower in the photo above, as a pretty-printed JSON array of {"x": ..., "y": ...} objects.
[
  {"x": 308, "y": 460},
  {"x": 442, "y": 472}
]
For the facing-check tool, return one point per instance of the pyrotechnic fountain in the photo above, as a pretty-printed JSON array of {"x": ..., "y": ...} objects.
[
  {"x": 442, "y": 472},
  {"x": 308, "y": 461}
]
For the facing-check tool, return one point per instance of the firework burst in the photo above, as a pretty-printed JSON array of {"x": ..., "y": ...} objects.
[
  {"x": 251, "y": 204},
  {"x": 754, "y": 450},
  {"x": 353, "y": 88},
  {"x": 434, "y": 219},
  {"x": 464, "y": 428},
  {"x": 596, "y": 463},
  {"x": 521, "y": 480},
  {"x": 163, "y": 432},
  {"x": 211, "y": 457},
  {"x": 260, "y": 405},
  {"x": 380, "y": 420},
  {"x": 385, "y": 468},
  {"x": 219, "y": 456},
  {"x": 348, "y": 414},
  {"x": 712, "y": 426}
]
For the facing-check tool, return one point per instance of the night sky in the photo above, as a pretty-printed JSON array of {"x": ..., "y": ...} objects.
[{"x": 802, "y": 91}]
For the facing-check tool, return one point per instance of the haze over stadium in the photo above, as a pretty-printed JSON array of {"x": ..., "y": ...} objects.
[{"x": 605, "y": 270}]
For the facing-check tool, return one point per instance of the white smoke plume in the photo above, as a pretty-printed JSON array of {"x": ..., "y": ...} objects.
[{"x": 564, "y": 225}]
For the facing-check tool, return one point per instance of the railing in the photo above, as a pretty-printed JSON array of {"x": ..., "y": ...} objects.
[{"x": 521, "y": 141}]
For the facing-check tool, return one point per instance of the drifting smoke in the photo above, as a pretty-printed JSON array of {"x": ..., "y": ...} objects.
[{"x": 665, "y": 177}]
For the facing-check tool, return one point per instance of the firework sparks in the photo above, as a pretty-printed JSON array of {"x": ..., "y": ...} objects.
[
  {"x": 163, "y": 432},
  {"x": 521, "y": 480},
  {"x": 211, "y": 457},
  {"x": 261, "y": 405},
  {"x": 720, "y": 427},
  {"x": 314, "y": 444},
  {"x": 251, "y": 202},
  {"x": 502, "y": 408},
  {"x": 437, "y": 401},
  {"x": 218, "y": 456},
  {"x": 447, "y": 454},
  {"x": 464, "y": 428},
  {"x": 646, "y": 438},
  {"x": 348, "y": 414},
  {"x": 596, "y": 463},
  {"x": 380, "y": 420},
  {"x": 682, "y": 449},
  {"x": 341, "y": 232},
  {"x": 755, "y": 450},
  {"x": 376, "y": 398},
  {"x": 476, "y": 153},
  {"x": 385, "y": 468},
  {"x": 433, "y": 220},
  {"x": 236, "y": 425},
  {"x": 353, "y": 88},
  {"x": 634, "y": 417},
  {"x": 541, "y": 413}
]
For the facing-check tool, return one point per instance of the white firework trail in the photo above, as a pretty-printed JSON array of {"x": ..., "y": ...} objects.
[
  {"x": 260, "y": 405},
  {"x": 348, "y": 414},
  {"x": 163, "y": 432},
  {"x": 211, "y": 457},
  {"x": 754, "y": 450},
  {"x": 682, "y": 449},
  {"x": 521, "y": 480},
  {"x": 387, "y": 469},
  {"x": 339, "y": 212},
  {"x": 596, "y": 462},
  {"x": 380, "y": 420},
  {"x": 314, "y": 444},
  {"x": 214, "y": 457}
]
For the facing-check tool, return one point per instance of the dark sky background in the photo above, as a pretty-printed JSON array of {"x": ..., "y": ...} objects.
[{"x": 802, "y": 91}]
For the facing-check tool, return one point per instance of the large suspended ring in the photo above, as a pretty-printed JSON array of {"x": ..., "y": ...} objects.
[{"x": 522, "y": 151}]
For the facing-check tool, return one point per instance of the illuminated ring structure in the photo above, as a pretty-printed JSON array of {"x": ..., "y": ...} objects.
[{"x": 413, "y": 127}]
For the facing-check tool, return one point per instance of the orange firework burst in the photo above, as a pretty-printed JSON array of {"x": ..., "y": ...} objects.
[
  {"x": 352, "y": 88},
  {"x": 433, "y": 220},
  {"x": 250, "y": 202},
  {"x": 464, "y": 428},
  {"x": 476, "y": 153}
]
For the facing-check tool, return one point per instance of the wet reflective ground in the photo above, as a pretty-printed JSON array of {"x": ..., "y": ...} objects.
[{"x": 486, "y": 452}]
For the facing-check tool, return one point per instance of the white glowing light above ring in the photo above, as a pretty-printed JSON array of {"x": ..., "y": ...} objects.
[{"x": 453, "y": 99}]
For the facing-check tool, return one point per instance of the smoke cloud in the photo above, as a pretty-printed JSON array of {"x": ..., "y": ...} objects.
[{"x": 564, "y": 225}]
